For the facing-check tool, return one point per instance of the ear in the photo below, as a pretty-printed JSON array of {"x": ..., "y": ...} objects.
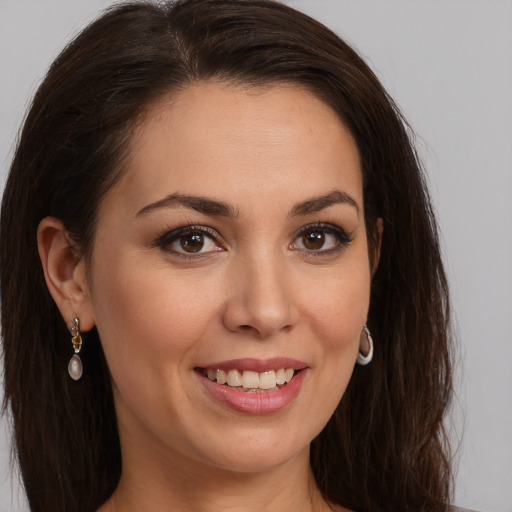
[
  {"x": 376, "y": 257},
  {"x": 65, "y": 273}
]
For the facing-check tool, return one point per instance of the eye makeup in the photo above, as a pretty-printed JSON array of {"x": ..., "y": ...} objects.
[
  {"x": 320, "y": 239},
  {"x": 196, "y": 241},
  {"x": 190, "y": 242}
]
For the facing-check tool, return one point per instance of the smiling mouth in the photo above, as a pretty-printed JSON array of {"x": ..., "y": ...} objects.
[{"x": 250, "y": 381}]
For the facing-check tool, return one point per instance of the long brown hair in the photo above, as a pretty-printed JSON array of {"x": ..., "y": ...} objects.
[{"x": 384, "y": 448}]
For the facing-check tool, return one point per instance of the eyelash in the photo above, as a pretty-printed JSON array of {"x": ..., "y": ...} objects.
[
  {"x": 343, "y": 239},
  {"x": 171, "y": 236}
]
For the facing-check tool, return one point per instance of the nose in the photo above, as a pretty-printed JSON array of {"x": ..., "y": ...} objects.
[{"x": 261, "y": 300}]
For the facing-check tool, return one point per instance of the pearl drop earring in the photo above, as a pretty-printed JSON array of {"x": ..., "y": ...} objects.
[{"x": 75, "y": 367}]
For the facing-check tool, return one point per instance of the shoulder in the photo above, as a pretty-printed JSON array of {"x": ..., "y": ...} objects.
[{"x": 459, "y": 509}]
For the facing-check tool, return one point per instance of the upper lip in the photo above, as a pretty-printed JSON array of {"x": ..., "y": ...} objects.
[{"x": 256, "y": 365}]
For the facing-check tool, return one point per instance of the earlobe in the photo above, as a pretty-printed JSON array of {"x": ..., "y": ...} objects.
[{"x": 64, "y": 272}]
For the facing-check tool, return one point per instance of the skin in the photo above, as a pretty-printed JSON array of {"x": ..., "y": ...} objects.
[{"x": 257, "y": 291}]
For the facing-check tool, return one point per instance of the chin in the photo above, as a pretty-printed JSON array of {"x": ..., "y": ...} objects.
[
  {"x": 260, "y": 462},
  {"x": 257, "y": 451}
]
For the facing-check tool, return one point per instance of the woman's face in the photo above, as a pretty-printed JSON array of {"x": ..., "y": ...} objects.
[{"x": 235, "y": 241}]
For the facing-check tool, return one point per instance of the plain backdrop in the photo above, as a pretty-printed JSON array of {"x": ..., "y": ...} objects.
[{"x": 448, "y": 64}]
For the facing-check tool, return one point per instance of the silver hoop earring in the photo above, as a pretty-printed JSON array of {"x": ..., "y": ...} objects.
[
  {"x": 365, "y": 359},
  {"x": 75, "y": 368}
]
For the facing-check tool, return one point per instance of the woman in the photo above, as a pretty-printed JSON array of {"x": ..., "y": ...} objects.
[{"x": 226, "y": 203}]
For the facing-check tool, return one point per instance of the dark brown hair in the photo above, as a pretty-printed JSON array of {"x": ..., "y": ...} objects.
[{"x": 384, "y": 448}]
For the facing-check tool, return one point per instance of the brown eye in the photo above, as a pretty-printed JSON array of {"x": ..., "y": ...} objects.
[
  {"x": 192, "y": 242},
  {"x": 313, "y": 240},
  {"x": 321, "y": 239}
]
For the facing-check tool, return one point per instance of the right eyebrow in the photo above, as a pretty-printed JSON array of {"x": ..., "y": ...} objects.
[{"x": 201, "y": 204}]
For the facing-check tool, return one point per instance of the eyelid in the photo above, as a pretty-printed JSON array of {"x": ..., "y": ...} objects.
[
  {"x": 170, "y": 235},
  {"x": 342, "y": 236}
]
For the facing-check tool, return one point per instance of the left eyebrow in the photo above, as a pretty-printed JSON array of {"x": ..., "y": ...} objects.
[
  {"x": 319, "y": 203},
  {"x": 201, "y": 204}
]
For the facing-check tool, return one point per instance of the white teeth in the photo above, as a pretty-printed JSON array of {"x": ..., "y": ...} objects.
[
  {"x": 222, "y": 377},
  {"x": 234, "y": 378},
  {"x": 268, "y": 380},
  {"x": 251, "y": 380}
]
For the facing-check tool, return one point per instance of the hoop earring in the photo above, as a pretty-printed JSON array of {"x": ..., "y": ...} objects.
[
  {"x": 365, "y": 359},
  {"x": 75, "y": 368}
]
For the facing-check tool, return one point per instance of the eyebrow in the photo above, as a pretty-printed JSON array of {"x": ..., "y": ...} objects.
[
  {"x": 319, "y": 203},
  {"x": 213, "y": 207},
  {"x": 198, "y": 203}
]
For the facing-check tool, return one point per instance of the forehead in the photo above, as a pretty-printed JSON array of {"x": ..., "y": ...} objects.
[{"x": 218, "y": 138}]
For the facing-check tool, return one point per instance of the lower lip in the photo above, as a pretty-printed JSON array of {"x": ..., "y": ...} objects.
[{"x": 260, "y": 402}]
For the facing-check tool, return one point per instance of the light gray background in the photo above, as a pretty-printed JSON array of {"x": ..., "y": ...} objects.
[{"x": 448, "y": 63}]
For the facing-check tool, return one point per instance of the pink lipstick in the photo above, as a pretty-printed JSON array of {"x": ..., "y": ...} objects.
[{"x": 254, "y": 386}]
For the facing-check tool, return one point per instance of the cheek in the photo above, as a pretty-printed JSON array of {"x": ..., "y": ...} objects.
[
  {"x": 147, "y": 314},
  {"x": 338, "y": 310},
  {"x": 334, "y": 316}
]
